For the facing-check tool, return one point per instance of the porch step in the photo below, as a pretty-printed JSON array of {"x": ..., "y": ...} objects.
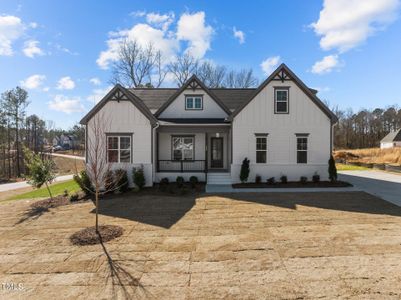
[{"x": 218, "y": 178}]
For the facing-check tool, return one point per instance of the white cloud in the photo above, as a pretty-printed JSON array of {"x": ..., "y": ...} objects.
[
  {"x": 33, "y": 25},
  {"x": 161, "y": 21},
  {"x": 31, "y": 49},
  {"x": 192, "y": 28},
  {"x": 138, "y": 13},
  {"x": 98, "y": 94},
  {"x": 66, "y": 104},
  {"x": 11, "y": 28},
  {"x": 240, "y": 35},
  {"x": 344, "y": 24},
  {"x": 33, "y": 82},
  {"x": 326, "y": 65},
  {"x": 270, "y": 64},
  {"x": 65, "y": 83},
  {"x": 95, "y": 81}
]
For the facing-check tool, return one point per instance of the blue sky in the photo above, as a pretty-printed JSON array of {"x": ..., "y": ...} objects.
[{"x": 60, "y": 51}]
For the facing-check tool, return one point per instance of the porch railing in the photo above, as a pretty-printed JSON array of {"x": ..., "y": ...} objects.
[{"x": 181, "y": 165}]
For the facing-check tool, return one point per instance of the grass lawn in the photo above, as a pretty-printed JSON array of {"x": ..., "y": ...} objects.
[
  {"x": 343, "y": 167},
  {"x": 56, "y": 189}
]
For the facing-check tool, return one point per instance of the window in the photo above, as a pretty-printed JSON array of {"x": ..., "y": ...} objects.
[
  {"x": 281, "y": 101},
  {"x": 261, "y": 149},
  {"x": 183, "y": 148},
  {"x": 119, "y": 149},
  {"x": 302, "y": 150},
  {"x": 194, "y": 102}
]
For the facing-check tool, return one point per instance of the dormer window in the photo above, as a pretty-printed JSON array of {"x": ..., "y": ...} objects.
[
  {"x": 193, "y": 102},
  {"x": 281, "y": 99}
]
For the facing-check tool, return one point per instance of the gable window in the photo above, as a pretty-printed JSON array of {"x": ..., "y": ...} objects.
[
  {"x": 261, "y": 149},
  {"x": 193, "y": 102},
  {"x": 119, "y": 149},
  {"x": 302, "y": 149},
  {"x": 183, "y": 147},
  {"x": 281, "y": 97}
]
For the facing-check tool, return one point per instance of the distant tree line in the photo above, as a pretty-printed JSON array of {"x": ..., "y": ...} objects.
[
  {"x": 365, "y": 128},
  {"x": 17, "y": 130}
]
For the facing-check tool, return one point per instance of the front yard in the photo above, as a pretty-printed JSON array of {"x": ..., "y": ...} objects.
[{"x": 243, "y": 246}]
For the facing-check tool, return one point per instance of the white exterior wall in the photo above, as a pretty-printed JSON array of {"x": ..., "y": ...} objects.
[
  {"x": 176, "y": 109},
  {"x": 124, "y": 117},
  {"x": 304, "y": 117},
  {"x": 390, "y": 145}
]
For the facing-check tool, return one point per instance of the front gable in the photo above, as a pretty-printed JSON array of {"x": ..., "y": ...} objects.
[{"x": 211, "y": 107}]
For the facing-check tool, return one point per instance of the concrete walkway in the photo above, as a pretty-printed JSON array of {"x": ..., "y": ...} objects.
[
  {"x": 23, "y": 184},
  {"x": 382, "y": 184},
  {"x": 227, "y": 188}
]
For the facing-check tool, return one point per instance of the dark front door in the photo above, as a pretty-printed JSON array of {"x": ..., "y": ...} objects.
[{"x": 217, "y": 153}]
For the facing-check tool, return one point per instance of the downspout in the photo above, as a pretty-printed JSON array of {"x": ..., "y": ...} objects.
[{"x": 154, "y": 163}]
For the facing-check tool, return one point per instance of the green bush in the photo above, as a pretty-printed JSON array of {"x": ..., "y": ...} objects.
[
  {"x": 258, "y": 179},
  {"x": 316, "y": 178},
  {"x": 84, "y": 182},
  {"x": 163, "y": 184},
  {"x": 271, "y": 180},
  {"x": 244, "y": 174},
  {"x": 194, "y": 181},
  {"x": 139, "y": 177},
  {"x": 332, "y": 169},
  {"x": 109, "y": 184},
  {"x": 303, "y": 179},
  {"x": 180, "y": 181},
  {"x": 283, "y": 179},
  {"x": 121, "y": 178},
  {"x": 74, "y": 197}
]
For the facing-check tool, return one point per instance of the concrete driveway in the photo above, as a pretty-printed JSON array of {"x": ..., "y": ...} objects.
[{"x": 382, "y": 184}]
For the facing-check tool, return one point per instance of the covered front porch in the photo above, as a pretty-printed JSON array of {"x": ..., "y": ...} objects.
[{"x": 190, "y": 149}]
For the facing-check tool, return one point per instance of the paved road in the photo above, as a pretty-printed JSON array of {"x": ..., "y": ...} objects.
[
  {"x": 67, "y": 156},
  {"x": 382, "y": 184},
  {"x": 23, "y": 184}
]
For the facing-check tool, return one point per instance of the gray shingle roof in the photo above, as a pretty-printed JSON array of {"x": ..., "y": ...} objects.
[
  {"x": 394, "y": 136},
  {"x": 155, "y": 97}
]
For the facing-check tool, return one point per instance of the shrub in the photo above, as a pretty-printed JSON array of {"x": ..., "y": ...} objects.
[
  {"x": 244, "y": 174},
  {"x": 303, "y": 179},
  {"x": 332, "y": 169},
  {"x": 258, "y": 179},
  {"x": 121, "y": 178},
  {"x": 74, "y": 197},
  {"x": 139, "y": 177},
  {"x": 183, "y": 190},
  {"x": 84, "y": 182},
  {"x": 180, "y": 181},
  {"x": 163, "y": 183},
  {"x": 283, "y": 179},
  {"x": 194, "y": 181},
  {"x": 109, "y": 183},
  {"x": 271, "y": 180},
  {"x": 65, "y": 193},
  {"x": 315, "y": 178}
]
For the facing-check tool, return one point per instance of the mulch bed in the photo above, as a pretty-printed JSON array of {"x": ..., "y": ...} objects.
[
  {"x": 51, "y": 203},
  {"x": 293, "y": 184},
  {"x": 89, "y": 236}
]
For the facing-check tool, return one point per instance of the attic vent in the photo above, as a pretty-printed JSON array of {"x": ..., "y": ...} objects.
[
  {"x": 118, "y": 95},
  {"x": 282, "y": 76}
]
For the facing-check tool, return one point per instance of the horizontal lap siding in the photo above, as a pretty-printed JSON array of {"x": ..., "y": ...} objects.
[{"x": 304, "y": 117}]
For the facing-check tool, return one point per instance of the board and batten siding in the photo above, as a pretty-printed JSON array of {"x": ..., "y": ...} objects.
[
  {"x": 123, "y": 117},
  {"x": 176, "y": 109},
  {"x": 304, "y": 117}
]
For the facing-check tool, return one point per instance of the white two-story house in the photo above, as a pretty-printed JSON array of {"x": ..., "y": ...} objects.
[{"x": 281, "y": 127}]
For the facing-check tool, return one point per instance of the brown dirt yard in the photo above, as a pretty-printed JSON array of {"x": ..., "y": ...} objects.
[{"x": 233, "y": 246}]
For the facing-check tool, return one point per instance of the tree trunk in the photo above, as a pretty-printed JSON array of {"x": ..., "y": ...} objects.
[
  {"x": 97, "y": 210},
  {"x": 48, "y": 189},
  {"x": 17, "y": 145},
  {"x": 9, "y": 150}
]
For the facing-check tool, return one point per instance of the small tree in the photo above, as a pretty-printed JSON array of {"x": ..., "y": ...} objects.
[
  {"x": 244, "y": 174},
  {"x": 332, "y": 169},
  {"x": 139, "y": 177},
  {"x": 41, "y": 172}
]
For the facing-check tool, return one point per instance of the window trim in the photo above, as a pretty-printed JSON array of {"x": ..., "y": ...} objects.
[
  {"x": 119, "y": 135},
  {"x": 302, "y": 136},
  {"x": 286, "y": 89},
  {"x": 260, "y": 136},
  {"x": 193, "y": 97},
  {"x": 172, "y": 147}
]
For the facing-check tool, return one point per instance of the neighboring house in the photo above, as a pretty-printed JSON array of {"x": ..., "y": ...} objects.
[
  {"x": 65, "y": 141},
  {"x": 393, "y": 139},
  {"x": 56, "y": 141},
  {"x": 281, "y": 126}
]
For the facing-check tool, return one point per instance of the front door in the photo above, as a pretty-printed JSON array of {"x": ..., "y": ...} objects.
[{"x": 217, "y": 153}]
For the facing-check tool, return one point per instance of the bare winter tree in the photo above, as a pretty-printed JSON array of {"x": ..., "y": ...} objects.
[
  {"x": 138, "y": 66},
  {"x": 242, "y": 79},
  {"x": 183, "y": 68},
  {"x": 211, "y": 75}
]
